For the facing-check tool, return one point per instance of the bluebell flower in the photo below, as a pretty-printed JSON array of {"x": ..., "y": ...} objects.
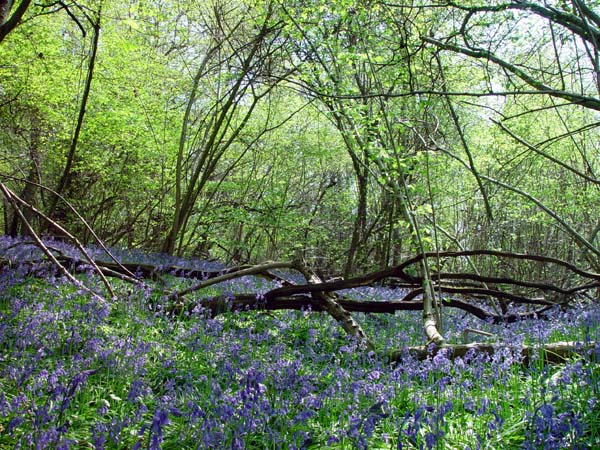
[{"x": 14, "y": 423}]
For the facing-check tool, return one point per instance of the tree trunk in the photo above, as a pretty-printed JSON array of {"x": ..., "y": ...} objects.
[
  {"x": 28, "y": 194},
  {"x": 66, "y": 177},
  {"x": 360, "y": 220},
  {"x": 7, "y": 24}
]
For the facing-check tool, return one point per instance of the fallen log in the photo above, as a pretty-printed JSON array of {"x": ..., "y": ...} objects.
[
  {"x": 215, "y": 306},
  {"x": 552, "y": 353},
  {"x": 316, "y": 295},
  {"x": 329, "y": 302}
]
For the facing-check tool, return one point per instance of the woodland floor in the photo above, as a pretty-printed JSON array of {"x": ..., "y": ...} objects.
[{"x": 80, "y": 372}]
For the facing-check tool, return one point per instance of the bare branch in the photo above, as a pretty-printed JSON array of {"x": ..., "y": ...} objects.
[
  {"x": 578, "y": 99},
  {"x": 253, "y": 270},
  {"x": 12, "y": 198},
  {"x": 546, "y": 155}
]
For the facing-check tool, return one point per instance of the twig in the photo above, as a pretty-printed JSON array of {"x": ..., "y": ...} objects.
[{"x": 12, "y": 199}]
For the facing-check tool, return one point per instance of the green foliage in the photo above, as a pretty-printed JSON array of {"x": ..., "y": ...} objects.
[{"x": 351, "y": 152}]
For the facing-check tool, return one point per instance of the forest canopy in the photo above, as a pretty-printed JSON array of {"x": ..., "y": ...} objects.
[{"x": 350, "y": 135}]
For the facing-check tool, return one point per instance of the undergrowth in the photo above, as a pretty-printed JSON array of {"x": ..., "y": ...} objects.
[{"x": 78, "y": 373}]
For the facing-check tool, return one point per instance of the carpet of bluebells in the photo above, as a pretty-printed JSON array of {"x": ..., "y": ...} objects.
[{"x": 80, "y": 373}]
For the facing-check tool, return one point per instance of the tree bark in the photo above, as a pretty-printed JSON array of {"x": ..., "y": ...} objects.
[
  {"x": 551, "y": 353},
  {"x": 9, "y": 22}
]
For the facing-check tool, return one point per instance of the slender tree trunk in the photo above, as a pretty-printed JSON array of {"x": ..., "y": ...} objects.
[
  {"x": 28, "y": 194},
  {"x": 360, "y": 222},
  {"x": 171, "y": 239},
  {"x": 66, "y": 177},
  {"x": 9, "y": 22},
  {"x": 313, "y": 214},
  {"x": 214, "y": 143}
]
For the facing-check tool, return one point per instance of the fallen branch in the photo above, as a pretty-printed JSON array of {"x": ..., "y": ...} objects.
[
  {"x": 76, "y": 213},
  {"x": 553, "y": 353},
  {"x": 252, "y": 270},
  {"x": 330, "y": 303},
  {"x": 13, "y": 200},
  {"x": 316, "y": 295},
  {"x": 215, "y": 306}
]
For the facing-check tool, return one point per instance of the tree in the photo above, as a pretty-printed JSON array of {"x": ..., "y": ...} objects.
[
  {"x": 332, "y": 41},
  {"x": 552, "y": 69},
  {"x": 241, "y": 67},
  {"x": 354, "y": 55},
  {"x": 65, "y": 179},
  {"x": 11, "y": 15}
]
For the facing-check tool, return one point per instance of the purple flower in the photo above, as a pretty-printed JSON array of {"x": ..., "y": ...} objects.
[
  {"x": 14, "y": 423},
  {"x": 159, "y": 421}
]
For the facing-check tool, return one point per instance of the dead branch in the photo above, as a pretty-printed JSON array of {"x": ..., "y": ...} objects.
[
  {"x": 501, "y": 254},
  {"x": 79, "y": 217},
  {"x": 553, "y": 353},
  {"x": 252, "y": 270},
  {"x": 330, "y": 303},
  {"x": 13, "y": 200},
  {"x": 16, "y": 199},
  {"x": 215, "y": 306}
]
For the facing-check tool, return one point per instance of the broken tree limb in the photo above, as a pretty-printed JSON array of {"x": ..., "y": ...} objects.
[
  {"x": 297, "y": 296},
  {"x": 505, "y": 280},
  {"x": 480, "y": 292},
  {"x": 500, "y": 254},
  {"x": 16, "y": 199},
  {"x": 412, "y": 283},
  {"x": 318, "y": 300},
  {"x": 552, "y": 353},
  {"x": 79, "y": 217},
  {"x": 330, "y": 303},
  {"x": 155, "y": 272},
  {"x": 253, "y": 270},
  {"x": 399, "y": 272},
  {"x": 244, "y": 302},
  {"x": 11, "y": 198},
  {"x": 215, "y": 306}
]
